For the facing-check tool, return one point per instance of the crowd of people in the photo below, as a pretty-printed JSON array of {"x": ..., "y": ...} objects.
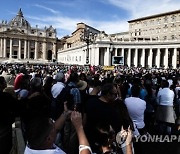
[{"x": 85, "y": 109}]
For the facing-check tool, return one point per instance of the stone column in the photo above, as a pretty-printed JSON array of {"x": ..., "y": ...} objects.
[
  {"x": 158, "y": 58},
  {"x": 129, "y": 57},
  {"x": 96, "y": 56},
  {"x": 165, "y": 58},
  {"x": 115, "y": 51},
  {"x": 44, "y": 50},
  {"x": 122, "y": 52},
  {"x": 143, "y": 58},
  {"x": 1, "y": 49},
  {"x": 87, "y": 55},
  {"x": 150, "y": 58},
  {"x": 25, "y": 49},
  {"x": 90, "y": 55},
  {"x": 5, "y": 53},
  {"x": 10, "y": 55},
  {"x": 84, "y": 57},
  {"x": 174, "y": 58},
  {"x": 108, "y": 57},
  {"x": 54, "y": 51},
  {"x": 19, "y": 52},
  {"x": 36, "y": 50},
  {"x": 28, "y": 50},
  {"x": 135, "y": 57}
]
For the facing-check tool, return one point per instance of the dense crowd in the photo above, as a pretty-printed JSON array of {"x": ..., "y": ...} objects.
[{"x": 86, "y": 109}]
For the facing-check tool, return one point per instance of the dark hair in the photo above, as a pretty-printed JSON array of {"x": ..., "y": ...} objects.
[
  {"x": 37, "y": 131},
  {"x": 108, "y": 87},
  {"x": 25, "y": 82},
  {"x": 74, "y": 77},
  {"x": 135, "y": 90},
  {"x": 36, "y": 84},
  {"x": 96, "y": 83},
  {"x": 83, "y": 75},
  {"x": 136, "y": 81},
  {"x": 22, "y": 69},
  {"x": 103, "y": 134},
  {"x": 165, "y": 84}
]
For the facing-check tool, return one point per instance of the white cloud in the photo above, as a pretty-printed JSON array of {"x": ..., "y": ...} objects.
[
  {"x": 47, "y": 8},
  {"x": 136, "y": 8},
  {"x": 140, "y": 8},
  {"x": 69, "y": 24}
]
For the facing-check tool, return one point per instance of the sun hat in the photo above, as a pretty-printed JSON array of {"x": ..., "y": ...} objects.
[{"x": 82, "y": 85}]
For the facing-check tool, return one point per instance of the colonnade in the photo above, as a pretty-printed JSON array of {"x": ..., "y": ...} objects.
[
  {"x": 26, "y": 49},
  {"x": 144, "y": 57}
]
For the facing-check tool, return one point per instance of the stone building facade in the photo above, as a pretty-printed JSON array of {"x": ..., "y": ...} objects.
[
  {"x": 154, "y": 45},
  {"x": 20, "y": 41},
  {"x": 165, "y": 26}
]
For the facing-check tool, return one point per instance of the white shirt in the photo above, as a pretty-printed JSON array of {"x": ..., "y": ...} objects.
[
  {"x": 57, "y": 150},
  {"x": 170, "y": 82},
  {"x": 176, "y": 90},
  {"x": 136, "y": 108},
  {"x": 165, "y": 96},
  {"x": 56, "y": 89}
]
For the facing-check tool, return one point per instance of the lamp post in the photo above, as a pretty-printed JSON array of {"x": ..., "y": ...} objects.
[{"x": 89, "y": 38}]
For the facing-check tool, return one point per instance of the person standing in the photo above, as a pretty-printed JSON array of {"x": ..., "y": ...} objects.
[
  {"x": 136, "y": 108},
  {"x": 8, "y": 112},
  {"x": 165, "y": 114}
]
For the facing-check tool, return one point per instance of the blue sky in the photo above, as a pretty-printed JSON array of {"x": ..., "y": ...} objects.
[{"x": 110, "y": 16}]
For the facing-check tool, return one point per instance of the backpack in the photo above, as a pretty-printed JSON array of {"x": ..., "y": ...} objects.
[{"x": 58, "y": 102}]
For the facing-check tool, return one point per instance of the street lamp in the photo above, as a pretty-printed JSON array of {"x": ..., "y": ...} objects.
[{"x": 89, "y": 38}]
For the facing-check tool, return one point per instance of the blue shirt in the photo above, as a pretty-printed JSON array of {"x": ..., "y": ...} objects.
[{"x": 75, "y": 92}]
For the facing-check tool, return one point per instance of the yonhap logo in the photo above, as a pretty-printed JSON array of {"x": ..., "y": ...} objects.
[{"x": 157, "y": 138}]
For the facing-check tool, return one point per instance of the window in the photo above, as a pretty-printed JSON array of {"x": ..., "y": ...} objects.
[
  {"x": 15, "y": 42},
  {"x": 165, "y": 38},
  {"x": 32, "y": 44},
  {"x": 69, "y": 45},
  {"x": 157, "y": 30},
  {"x": 165, "y": 28},
  {"x": 79, "y": 58},
  {"x": 152, "y": 22},
  {"x": 173, "y": 18},
  {"x": 158, "y": 21},
  {"x": 32, "y": 31},
  {"x": 22, "y": 44},
  {"x": 165, "y": 19},
  {"x": 145, "y": 23},
  {"x": 152, "y": 31},
  {"x": 135, "y": 32},
  {"x": 172, "y": 37},
  {"x": 173, "y": 27},
  {"x": 50, "y": 34}
]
